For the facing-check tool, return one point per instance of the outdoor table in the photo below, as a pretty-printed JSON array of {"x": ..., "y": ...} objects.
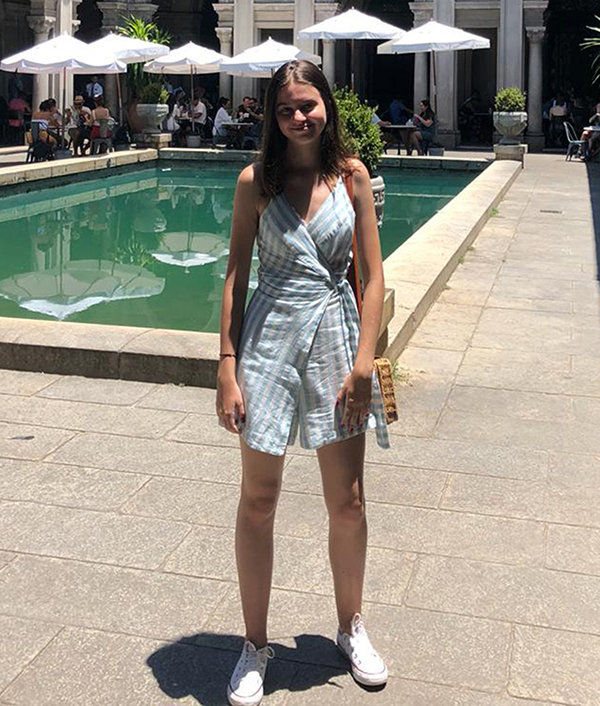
[
  {"x": 399, "y": 129},
  {"x": 237, "y": 131}
]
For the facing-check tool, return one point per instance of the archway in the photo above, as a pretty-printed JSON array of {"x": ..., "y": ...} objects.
[
  {"x": 380, "y": 77},
  {"x": 90, "y": 17},
  {"x": 568, "y": 67}
]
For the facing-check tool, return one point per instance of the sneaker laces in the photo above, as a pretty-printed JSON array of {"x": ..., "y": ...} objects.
[
  {"x": 255, "y": 660},
  {"x": 360, "y": 639}
]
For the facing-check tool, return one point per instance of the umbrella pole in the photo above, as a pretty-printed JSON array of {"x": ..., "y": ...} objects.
[
  {"x": 352, "y": 64},
  {"x": 64, "y": 106},
  {"x": 120, "y": 99},
  {"x": 434, "y": 84}
]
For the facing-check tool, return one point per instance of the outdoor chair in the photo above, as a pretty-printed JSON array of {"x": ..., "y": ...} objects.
[
  {"x": 39, "y": 150},
  {"x": 574, "y": 146},
  {"x": 104, "y": 140},
  {"x": 16, "y": 134}
]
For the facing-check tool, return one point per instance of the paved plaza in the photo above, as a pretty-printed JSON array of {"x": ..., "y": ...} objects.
[{"x": 118, "y": 500}]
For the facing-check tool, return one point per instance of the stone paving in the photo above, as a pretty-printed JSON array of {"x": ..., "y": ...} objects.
[{"x": 117, "y": 577}]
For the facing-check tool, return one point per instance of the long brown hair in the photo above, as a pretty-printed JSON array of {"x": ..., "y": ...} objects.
[{"x": 334, "y": 155}]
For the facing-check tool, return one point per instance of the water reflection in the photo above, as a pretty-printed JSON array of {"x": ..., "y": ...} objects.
[
  {"x": 150, "y": 248},
  {"x": 78, "y": 252}
]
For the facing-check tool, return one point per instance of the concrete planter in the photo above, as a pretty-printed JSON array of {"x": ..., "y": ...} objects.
[
  {"x": 437, "y": 151},
  {"x": 378, "y": 186},
  {"x": 152, "y": 115},
  {"x": 193, "y": 141},
  {"x": 510, "y": 126}
]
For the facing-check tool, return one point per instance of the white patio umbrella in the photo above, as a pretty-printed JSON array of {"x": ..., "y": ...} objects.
[
  {"x": 129, "y": 50},
  {"x": 433, "y": 37},
  {"x": 190, "y": 58},
  {"x": 191, "y": 249},
  {"x": 63, "y": 54},
  {"x": 79, "y": 285},
  {"x": 352, "y": 25},
  {"x": 264, "y": 59}
]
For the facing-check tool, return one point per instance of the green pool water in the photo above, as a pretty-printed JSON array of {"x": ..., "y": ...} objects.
[{"x": 149, "y": 248}]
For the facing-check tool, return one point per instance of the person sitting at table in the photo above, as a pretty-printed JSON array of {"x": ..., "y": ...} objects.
[
  {"x": 42, "y": 119},
  {"x": 198, "y": 114},
  {"x": 592, "y": 137},
  {"x": 79, "y": 119},
  {"x": 19, "y": 106},
  {"x": 399, "y": 113},
  {"x": 558, "y": 113},
  {"x": 424, "y": 121},
  {"x": 99, "y": 113},
  {"x": 387, "y": 137},
  {"x": 221, "y": 116}
]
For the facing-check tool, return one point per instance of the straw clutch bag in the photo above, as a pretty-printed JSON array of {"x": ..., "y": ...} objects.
[{"x": 382, "y": 366}]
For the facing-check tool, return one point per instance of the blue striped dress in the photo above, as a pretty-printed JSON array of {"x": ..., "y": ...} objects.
[{"x": 300, "y": 333}]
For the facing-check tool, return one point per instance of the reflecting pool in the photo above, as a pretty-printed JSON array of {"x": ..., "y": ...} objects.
[{"x": 150, "y": 248}]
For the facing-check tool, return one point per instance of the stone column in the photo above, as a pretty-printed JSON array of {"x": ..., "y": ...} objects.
[
  {"x": 535, "y": 135},
  {"x": 225, "y": 35},
  {"x": 328, "y": 65},
  {"x": 421, "y": 78},
  {"x": 41, "y": 26},
  {"x": 304, "y": 16},
  {"x": 421, "y": 87},
  {"x": 445, "y": 67},
  {"x": 510, "y": 44},
  {"x": 112, "y": 12},
  {"x": 243, "y": 38}
]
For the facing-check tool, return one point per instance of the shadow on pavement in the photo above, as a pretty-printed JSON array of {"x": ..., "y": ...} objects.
[
  {"x": 593, "y": 172},
  {"x": 201, "y": 665}
]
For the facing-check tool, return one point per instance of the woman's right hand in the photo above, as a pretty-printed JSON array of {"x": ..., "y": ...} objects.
[{"x": 230, "y": 402}]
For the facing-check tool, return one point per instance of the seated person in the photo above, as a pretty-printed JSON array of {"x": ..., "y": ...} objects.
[
  {"x": 424, "y": 120},
  {"x": 42, "y": 118},
  {"x": 198, "y": 113},
  {"x": 247, "y": 111},
  {"x": 592, "y": 137},
  {"x": 399, "y": 113},
  {"x": 79, "y": 119},
  {"x": 222, "y": 116},
  {"x": 99, "y": 113},
  {"x": 20, "y": 106},
  {"x": 387, "y": 137},
  {"x": 558, "y": 112}
]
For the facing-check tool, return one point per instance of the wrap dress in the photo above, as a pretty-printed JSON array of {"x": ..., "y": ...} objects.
[{"x": 300, "y": 333}]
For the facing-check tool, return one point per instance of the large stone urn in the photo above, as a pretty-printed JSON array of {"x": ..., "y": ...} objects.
[
  {"x": 378, "y": 186},
  {"x": 510, "y": 126},
  {"x": 151, "y": 115}
]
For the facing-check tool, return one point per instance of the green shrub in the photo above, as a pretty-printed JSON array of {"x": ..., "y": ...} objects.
[
  {"x": 153, "y": 92},
  {"x": 510, "y": 100},
  {"x": 361, "y": 136},
  {"x": 148, "y": 31}
]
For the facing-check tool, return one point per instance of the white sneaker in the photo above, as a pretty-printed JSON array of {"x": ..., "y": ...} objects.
[
  {"x": 245, "y": 687},
  {"x": 368, "y": 667}
]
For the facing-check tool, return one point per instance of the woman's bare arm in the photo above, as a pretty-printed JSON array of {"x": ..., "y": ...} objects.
[
  {"x": 244, "y": 225},
  {"x": 369, "y": 251}
]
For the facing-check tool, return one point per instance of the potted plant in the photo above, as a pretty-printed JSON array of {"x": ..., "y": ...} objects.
[
  {"x": 363, "y": 139},
  {"x": 152, "y": 105},
  {"x": 510, "y": 118},
  {"x": 146, "y": 91}
]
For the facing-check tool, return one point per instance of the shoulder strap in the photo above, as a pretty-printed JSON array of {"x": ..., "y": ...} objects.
[{"x": 354, "y": 271}]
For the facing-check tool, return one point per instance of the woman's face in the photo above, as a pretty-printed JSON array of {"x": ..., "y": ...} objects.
[
  {"x": 301, "y": 113},
  {"x": 421, "y": 107}
]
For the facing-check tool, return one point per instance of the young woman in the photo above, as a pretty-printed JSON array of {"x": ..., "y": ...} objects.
[
  {"x": 222, "y": 116},
  {"x": 425, "y": 121},
  {"x": 299, "y": 359}
]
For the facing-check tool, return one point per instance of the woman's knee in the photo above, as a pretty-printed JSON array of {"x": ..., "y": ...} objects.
[
  {"x": 259, "y": 504},
  {"x": 350, "y": 510}
]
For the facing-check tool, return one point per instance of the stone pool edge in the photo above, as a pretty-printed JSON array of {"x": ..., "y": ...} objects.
[{"x": 415, "y": 274}]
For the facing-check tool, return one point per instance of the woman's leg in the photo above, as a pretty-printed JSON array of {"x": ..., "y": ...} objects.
[
  {"x": 342, "y": 466},
  {"x": 415, "y": 140},
  {"x": 261, "y": 483}
]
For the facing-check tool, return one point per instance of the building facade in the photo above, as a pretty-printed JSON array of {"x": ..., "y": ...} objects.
[{"x": 517, "y": 30}]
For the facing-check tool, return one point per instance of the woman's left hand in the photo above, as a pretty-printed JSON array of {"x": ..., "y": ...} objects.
[{"x": 355, "y": 396}]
